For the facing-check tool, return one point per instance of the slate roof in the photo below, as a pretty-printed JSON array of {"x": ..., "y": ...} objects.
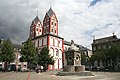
[
  {"x": 50, "y": 12},
  {"x": 105, "y": 39},
  {"x": 36, "y": 19},
  {"x": 46, "y": 35},
  {"x": 82, "y": 48}
]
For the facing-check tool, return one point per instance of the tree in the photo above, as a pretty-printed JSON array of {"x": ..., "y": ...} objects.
[
  {"x": 44, "y": 58},
  {"x": 83, "y": 59},
  {"x": 7, "y": 52},
  {"x": 29, "y": 53},
  {"x": 113, "y": 54},
  {"x": 108, "y": 56}
]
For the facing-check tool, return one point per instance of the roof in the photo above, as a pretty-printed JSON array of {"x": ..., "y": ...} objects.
[
  {"x": 105, "y": 39},
  {"x": 17, "y": 45},
  {"x": 50, "y": 12},
  {"x": 47, "y": 34},
  {"x": 14, "y": 45},
  {"x": 36, "y": 19},
  {"x": 82, "y": 48}
]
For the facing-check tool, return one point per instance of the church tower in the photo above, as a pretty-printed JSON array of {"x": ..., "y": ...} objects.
[
  {"x": 50, "y": 23},
  {"x": 35, "y": 28},
  {"x": 47, "y": 36}
]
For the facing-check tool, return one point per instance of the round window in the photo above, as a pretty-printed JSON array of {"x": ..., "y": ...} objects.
[
  {"x": 77, "y": 57},
  {"x": 70, "y": 58}
]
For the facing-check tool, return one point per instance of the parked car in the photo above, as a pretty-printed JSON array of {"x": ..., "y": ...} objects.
[
  {"x": 11, "y": 67},
  {"x": 108, "y": 68},
  {"x": 1, "y": 67},
  {"x": 117, "y": 67},
  {"x": 96, "y": 68},
  {"x": 24, "y": 69}
]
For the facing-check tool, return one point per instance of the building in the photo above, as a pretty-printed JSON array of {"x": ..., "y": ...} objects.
[
  {"x": 83, "y": 51},
  {"x": 46, "y": 34},
  {"x": 104, "y": 43}
]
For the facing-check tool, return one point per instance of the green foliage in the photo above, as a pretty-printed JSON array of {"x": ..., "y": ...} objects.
[
  {"x": 28, "y": 52},
  {"x": 113, "y": 52},
  {"x": 83, "y": 58},
  {"x": 44, "y": 58},
  {"x": 7, "y": 51},
  {"x": 107, "y": 55}
]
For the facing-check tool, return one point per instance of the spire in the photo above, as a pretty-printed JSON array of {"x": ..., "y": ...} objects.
[
  {"x": 50, "y": 12},
  {"x": 113, "y": 34},
  {"x": 37, "y": 12},
  {"x": 51, "y": 4},
  {"x": 93, "y": 38},
  {"x": 36, "y": 19}
]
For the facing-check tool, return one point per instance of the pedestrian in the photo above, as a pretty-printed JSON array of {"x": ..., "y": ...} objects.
[
  {"x": 37, "y": 69},
  {"x": 41, "y": 68}
]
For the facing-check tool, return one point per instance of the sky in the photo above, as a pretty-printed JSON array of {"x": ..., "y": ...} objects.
[{"x": 78, "y": 20}]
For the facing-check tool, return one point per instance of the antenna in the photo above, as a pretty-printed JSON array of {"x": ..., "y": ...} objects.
[
  {"x": 37, "y": 12},
  {"x": 113, "y": 33},
  {"x": 93, "y": 37},
  {"x": 51, "y": 4}
]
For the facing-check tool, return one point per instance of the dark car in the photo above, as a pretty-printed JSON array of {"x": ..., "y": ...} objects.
[
  {"x": 108, "y": 68},
  {"x": 11, "y": 67},
  {"x": 1, "y": 67},
  {"x": 117, "y": 67},
  {"x": 96, "y": 68}
]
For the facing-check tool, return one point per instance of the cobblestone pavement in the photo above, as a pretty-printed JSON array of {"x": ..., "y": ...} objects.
[{"x": 51, "y": 76}]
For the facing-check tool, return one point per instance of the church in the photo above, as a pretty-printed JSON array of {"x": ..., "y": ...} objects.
[{"x": 46, "y": 35}]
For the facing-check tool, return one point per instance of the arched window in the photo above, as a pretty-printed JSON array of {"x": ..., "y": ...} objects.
[
  {"x": 55, "y": 31},
  {"x": 51, "y": 51},
  {"x": 57, "y": 52}
]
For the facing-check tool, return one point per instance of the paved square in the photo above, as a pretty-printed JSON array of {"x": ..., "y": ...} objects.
[{"x": 51, "y": 76}]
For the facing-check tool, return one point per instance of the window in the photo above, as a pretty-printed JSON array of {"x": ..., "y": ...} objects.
[
  {"x": 77, "y": 57},
  {"x": 94, "y": 48},
  {"x": 52, "y": 23},
  {"x": 57, "y": 52},
  {"x": 55, "y": 24},
  {"x": 52, "y": 30},
  {"x": 37, "y": 29},
  {"x": 55, "y": 31},
  {"x": 104, "y": 47},
  {"x": 40, "y": 30},
  {"x": 99, "y": 47},
  {"x": 70, "y": 58},
  {"x": 66, "y": 48}
]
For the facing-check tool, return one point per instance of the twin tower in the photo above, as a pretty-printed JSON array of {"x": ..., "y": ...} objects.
[
  {"x": 49, "y": 26},
  {"x": 46, "y": 35}
]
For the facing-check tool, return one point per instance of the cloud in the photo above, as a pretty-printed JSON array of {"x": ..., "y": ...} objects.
[{"x": 78, "y": 20}]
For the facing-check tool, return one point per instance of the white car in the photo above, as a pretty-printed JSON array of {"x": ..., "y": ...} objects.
[{"x": 24, "y": 70}]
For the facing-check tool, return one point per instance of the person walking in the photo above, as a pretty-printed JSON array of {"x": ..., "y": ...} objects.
[{"x": 41, "y": 68}]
